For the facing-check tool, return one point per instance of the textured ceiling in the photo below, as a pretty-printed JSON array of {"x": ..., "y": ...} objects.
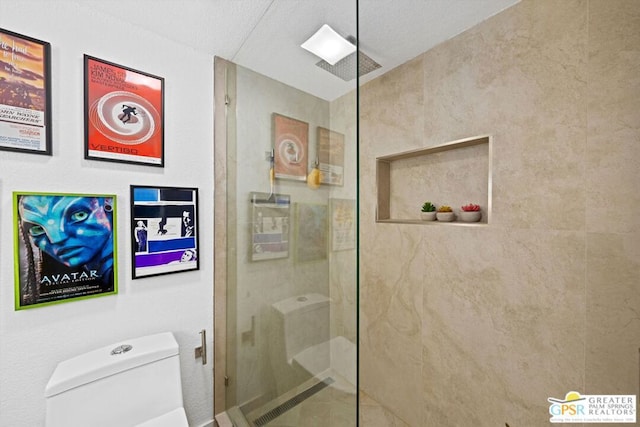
[{"x": 265, "y": 35}]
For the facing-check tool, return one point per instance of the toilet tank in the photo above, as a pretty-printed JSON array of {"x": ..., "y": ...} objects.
[
  {"x": 304, "y": 322},
  {"x": 123, "y": 384}
]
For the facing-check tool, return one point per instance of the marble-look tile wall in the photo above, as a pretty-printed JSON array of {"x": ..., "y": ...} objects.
[
  {"x": 343, "y": 263},
  {"x": 612, "y": 165},
  {"x": 479, "y": 325}
]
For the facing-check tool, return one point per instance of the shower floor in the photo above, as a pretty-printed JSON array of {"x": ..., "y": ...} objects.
[{"x": 328, "y": 406}]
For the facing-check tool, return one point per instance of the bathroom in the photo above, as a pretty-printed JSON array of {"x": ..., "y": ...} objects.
[{"x": 540, "y": 301}]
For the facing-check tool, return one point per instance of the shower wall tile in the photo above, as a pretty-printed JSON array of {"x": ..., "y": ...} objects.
[
  {"x": 504, "y": 326},
  {"x": 373, "y": 414},
  {"x": 613, "y": 150},
  {"x": 613, "y": 320},
  {"x": 390, "y": 319},
  {"x": 392, "y": 108},
  {"x": 343, "y": 264},
  {"x": 544, "y": 299},
  {"x": 613, "y": 156},
  {"x": 391, "y": 120},
  {"x": 390, "y": 313},
  {"x": 521, "y": 77}
]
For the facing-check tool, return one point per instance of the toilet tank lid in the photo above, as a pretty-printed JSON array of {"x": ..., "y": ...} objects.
[
  {"x": 101, "y": 363},
  {"x": 300, "y": 303}
]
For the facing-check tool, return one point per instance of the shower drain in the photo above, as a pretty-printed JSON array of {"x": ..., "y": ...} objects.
[{"x": 292, "y": 403}]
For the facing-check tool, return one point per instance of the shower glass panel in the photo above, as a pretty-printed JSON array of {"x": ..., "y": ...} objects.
[{"x": 289, "y": 158}]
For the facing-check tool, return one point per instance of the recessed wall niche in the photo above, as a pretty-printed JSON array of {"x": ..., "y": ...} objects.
[{"x": 455, "y": 174}]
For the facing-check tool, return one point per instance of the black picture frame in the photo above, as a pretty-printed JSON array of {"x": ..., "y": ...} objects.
[
  {"x": 164, "y": 230},
  {"x": 123, "y": 114},
  {"x": 25, "y": 94}
]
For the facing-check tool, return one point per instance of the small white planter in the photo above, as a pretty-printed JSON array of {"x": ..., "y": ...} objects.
[
  {"x": 428, "y": 216},
  {"x": 445, "y": 216},
  {"x": 470, "y": 216}
]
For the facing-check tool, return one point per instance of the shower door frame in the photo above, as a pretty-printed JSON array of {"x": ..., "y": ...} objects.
[{"x": 224, "y": 94}]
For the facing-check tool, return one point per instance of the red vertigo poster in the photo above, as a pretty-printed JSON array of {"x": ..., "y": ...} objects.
[{"x": 124, "y": 114}]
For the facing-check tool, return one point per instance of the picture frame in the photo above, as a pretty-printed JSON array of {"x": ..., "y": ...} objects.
[
  {"x": 164, "y": 230},
  {"x": 343, "y": 224},
  {"x": 65, "y": 247},
  {"x": 331, "y": 157},
  {"x": 25, "y": 94},
  {"x": 123, "y": 114},
  {"x": 270, "y": 226},
  {"x": 311, "y": 232},
  {"x": 290, "y": 148}
]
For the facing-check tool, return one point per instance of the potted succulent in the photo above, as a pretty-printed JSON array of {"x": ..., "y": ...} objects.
[
  {"x": 470, "y": 213},
  {"x": 445, "y": 214},
  {"x": 428, "y": 212}
]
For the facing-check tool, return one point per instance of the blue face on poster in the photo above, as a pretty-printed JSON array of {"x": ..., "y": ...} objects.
[{"x": 75, "y": 231}]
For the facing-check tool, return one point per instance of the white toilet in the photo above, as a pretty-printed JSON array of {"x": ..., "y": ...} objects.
[
  {"x": 304, "y": 325},
  {"x": 134, "y": 383}
]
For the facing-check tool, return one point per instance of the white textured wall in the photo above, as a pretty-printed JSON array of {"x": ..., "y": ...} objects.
[{"x": 33, "y": 341}]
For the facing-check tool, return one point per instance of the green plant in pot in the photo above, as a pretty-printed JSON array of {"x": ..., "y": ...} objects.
[{"x": 428, "y": 211}]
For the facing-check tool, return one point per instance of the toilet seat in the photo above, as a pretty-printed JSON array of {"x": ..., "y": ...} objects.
[
  {"x": 175, "y": 418},
  {"x": 335, "y": 358}
]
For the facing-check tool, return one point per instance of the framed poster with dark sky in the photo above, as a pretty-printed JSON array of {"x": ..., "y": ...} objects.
[{"x": 25, "y": 94}]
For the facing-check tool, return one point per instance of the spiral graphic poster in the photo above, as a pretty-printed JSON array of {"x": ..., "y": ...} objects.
[
  {"x": 290, "y": 148},
  {"x": 124, "y": 114}
]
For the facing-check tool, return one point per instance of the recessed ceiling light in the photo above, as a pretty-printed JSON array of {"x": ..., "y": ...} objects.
[{"x": 328, "y": 45}]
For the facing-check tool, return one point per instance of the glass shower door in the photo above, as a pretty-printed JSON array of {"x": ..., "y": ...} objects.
[{"x": 289, "y": 158}]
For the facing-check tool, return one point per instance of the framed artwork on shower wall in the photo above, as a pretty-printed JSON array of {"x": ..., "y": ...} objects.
[
  {"x": 343, "y": 224},
  {"x": 290, "y": 148},
  {"x": 123, "y": 114},
  {"x": 331, "y": 156},
  {"x": 164, "y": 230},
  {"x": 25, "y": 94},
  {"x": 270, "y": 226},
  {"x": 65, "y": 247},
  {"x": 311, "y": 232}
]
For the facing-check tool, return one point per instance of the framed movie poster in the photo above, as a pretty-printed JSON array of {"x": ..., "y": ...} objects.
[
  {"x": 164, "y": 230},
  {"x": 290, "y": 148},
  {"x": 330, "y": 156},
  {"x": 311, "y": 232},
  {"x": 123, "y": 114},
  {"x": 25, "y": 94},
  {"x": 343, "y": 224},
  {"x": 65, "y": 247},
  {"x": 270, "y": 226}
]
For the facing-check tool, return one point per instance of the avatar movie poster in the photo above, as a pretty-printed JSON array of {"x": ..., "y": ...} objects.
[
  {"x": 123, "y": 114},
  {"x": 164, "y": 230},
  {"x": 25, "y": 99},
  {"x": 65, "y": 247}
]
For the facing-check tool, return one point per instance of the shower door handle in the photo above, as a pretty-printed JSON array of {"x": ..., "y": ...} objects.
[{"x": 202, "y": 350}]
